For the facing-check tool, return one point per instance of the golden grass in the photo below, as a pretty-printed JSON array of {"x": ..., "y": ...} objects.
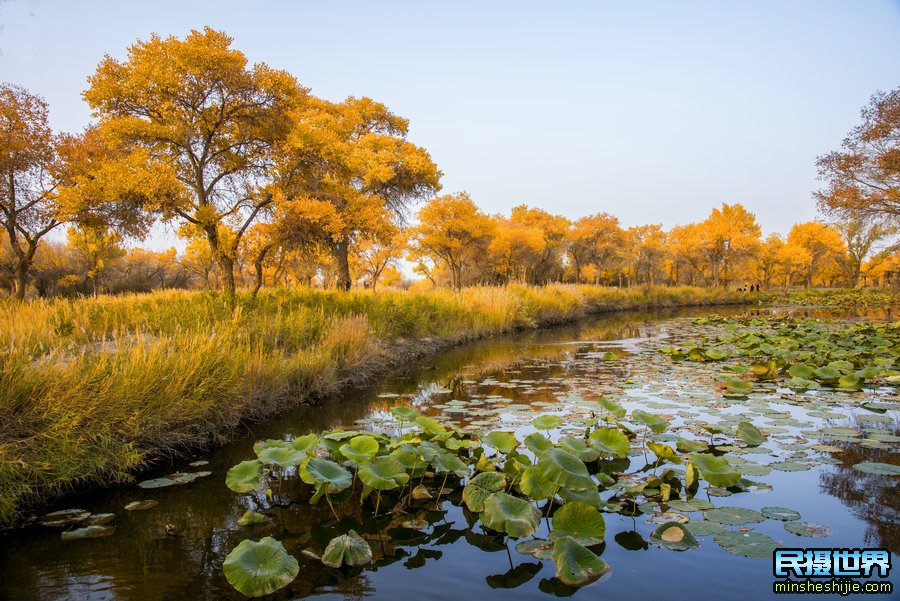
[{"x": 91, "y": 389}]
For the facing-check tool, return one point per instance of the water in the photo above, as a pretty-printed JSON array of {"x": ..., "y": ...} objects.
[{"x": 438, "y": 555}]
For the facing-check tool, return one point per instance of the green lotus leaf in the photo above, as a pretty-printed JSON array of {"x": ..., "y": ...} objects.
[
  {"x": 715, "y": 470},
  {"x": 504, "y": 442},
  {"x": 536, "y": 547},
  {"x": 383, "y": 473},
  {"x": 547, "y": 422},
  {"x": 256, "y": 569},
  {"x": 850, "y": 382},
  {"x": 338, "y": 435},
  {"x": 94, "y": 531},
  {"x": 360, "y": 448},
  {"x": 656, "y": 424},
  {"x": 881, "y": 469},
  {"x": 704, "y": 528},
  {"x": 716, "y": 354},
  {"x": 579, "y": 521},
  {"x": 673, "y": 536},
  {"x": 251, "y": 517},
  {"x": 450, "y": 463},
  {"x": 328, "y": 475},
  {"x": 826, "y": 373},
  {"x": 565, "y": 470},
  {"x": 808, "y": 530},
  {"x": 537, "y": 443},
  {"x": 664, "y": 452},
  {"x": 348, "y": 549},
  {"x": 610, "y": 441},
  {"x": 157, "y": 483},
  {"x": 431, "y": 426},
  {"x": 580, "y": 448},
  {"x": 141, "y": 505},
  {"x": 505, "y": 513},
  {"x": 691, "y": 446},
  {"x": 689, "y": 506},
  {"x": 535, "y": 486},
  {"x": 733, "y": 516},
  {"x": 245, "y": 476},
  {"x": 479, "y": 488},
  {"x": 750, "y": 434},
  {"x": 588, "y": 496},
  {"x": 306, "y": 444},
  {"x": 780, "y": 513},
  {"x": 283, "y": 457},
  {"x": 748, "y": 544},
  {"x": 64, "y": 517},
  {"x": 737, "y": 386},
  {"x": 404, "y": 414},
  {"x": 802, "y": 371},
  {"x": 271, "y": 443},
  {"x": 576, "y": 565},
  {"x": 616, "y": 409}
]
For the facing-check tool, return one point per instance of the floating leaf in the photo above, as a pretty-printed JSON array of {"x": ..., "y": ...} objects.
[
  {"x": 348, "y": 549},
  {"x": 251, "y": 517},
  {"x": 94, "y": 531},
  {"x": 579, "y": 521},
  {"x": 547, "y": 422},
  {"x": 139, "y": 505},
  {"x": 576, "y": 565},
  {"x": 806, "y": 529},
  {"x": 505, "y": 513},
  {"x": 256, "y": 569},
  {"x": 737, "y": 386},
  {"x": 780, "y": 513},
  {"x": 157, "y": 483},
  {"x": 704, "y": 528},
  {"x": 748, "y": 544},
  {"x": 881, "y": 469},
  {"x": 750, "y": 434},
  {"x": 734, "y": 516},
  {"x": 537, "y": 547},
  {"x": 673, "y": 536}
]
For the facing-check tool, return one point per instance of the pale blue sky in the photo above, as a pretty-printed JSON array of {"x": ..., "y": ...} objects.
[{"x": 652, "y": 111}]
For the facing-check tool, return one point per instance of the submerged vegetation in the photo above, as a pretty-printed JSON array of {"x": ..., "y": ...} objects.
[{"x": 92, "y": 390}]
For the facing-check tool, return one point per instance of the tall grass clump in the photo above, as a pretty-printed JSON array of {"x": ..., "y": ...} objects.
[{"x": 92, "y": 390}]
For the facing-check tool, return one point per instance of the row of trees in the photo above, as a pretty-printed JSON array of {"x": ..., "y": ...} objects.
[
  {"x": 270, "y": 184},
  {"x": 455, "y": 244}
]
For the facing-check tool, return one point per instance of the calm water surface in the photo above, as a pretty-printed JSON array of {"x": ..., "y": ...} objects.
[{"x": 503, "y": 382}]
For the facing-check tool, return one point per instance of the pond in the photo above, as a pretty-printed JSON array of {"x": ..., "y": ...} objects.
[{"x": 175, "y": 548}]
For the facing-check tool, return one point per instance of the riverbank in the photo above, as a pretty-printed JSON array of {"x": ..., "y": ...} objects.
[{"x": 92, "y": 390}]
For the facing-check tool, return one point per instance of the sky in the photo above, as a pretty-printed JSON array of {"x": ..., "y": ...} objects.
[{"x": 652, "y": 111}]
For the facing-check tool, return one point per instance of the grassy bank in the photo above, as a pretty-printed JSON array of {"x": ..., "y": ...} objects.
[{"x": 91, "y": 390}]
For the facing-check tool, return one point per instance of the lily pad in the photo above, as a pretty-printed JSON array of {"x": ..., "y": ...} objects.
[
  {"x": 95, "y": 531},
  {"x": 881, "y": 469},
  {"x": 673, "y": 536},
  {"x": 505, "y": 513},
  {"x": 547, "y": 422},
  {"x": 348, "y": 549},
  {"x": 576, "y": 565},
  {"x": 157, "y": 483},
  {"x": 807, "y": 529},
  {"x": 479, "y": 488},
  {"x": 251, "y": 518},
  {"x": 539, "y": 548},
  {"x": 579, "y": 521},
  {"x": 748, "y": 544},
  {"x": 734, "y": 516},
  {"x": 259, "y": 568},
  {"x": 704, "y": 528},
  {"x": 780, "y": 513},
  {"x": 139, "y": 505}
]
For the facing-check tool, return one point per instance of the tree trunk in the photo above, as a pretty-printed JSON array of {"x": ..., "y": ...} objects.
[
  {"x": 258, "y": 266},
  {"x": 227, "y": 265},
  {"x": 21, "y": 278},
  {"x": 341, "y": 252}
]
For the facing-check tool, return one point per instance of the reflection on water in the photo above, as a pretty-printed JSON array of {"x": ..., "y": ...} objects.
[{"x": 435, "y": 552}]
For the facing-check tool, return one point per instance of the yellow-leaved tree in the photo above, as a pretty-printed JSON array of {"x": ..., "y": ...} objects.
[{"x": 201, "y": 115}]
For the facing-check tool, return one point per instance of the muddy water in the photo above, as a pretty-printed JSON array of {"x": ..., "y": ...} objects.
[{"x": 502, "y": 382}]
